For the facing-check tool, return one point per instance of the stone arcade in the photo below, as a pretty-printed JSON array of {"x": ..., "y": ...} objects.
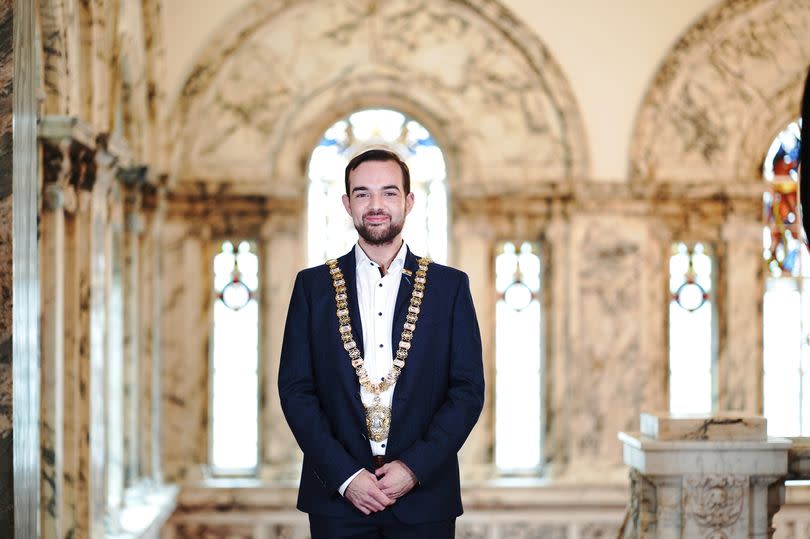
[{"x": 165, "y": 128}]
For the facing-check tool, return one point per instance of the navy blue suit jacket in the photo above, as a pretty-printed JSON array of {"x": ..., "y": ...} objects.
[{"x": 436, "y": 402}]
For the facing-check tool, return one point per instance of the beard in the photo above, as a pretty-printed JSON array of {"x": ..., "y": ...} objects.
[{"x": 379, "y": 234}]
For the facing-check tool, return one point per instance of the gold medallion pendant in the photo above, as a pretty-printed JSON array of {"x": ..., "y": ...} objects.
[{"x": 378, "y": 420}]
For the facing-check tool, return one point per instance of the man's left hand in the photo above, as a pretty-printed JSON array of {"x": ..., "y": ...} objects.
[{"x": 395, "y": 479}]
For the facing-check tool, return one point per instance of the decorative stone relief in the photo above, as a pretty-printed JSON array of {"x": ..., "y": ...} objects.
[
  {"x": 715, "y": 502},
  {"x": 727, "y": 87},
  {"x": 471, "y": 70}
]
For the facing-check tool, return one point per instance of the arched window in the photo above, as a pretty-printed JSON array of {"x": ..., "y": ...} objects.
[
  {"x": 518, "y": 355},
  {"x": 235, "y": 360},
  {"x": 692, "y": 329},
  {"x": 786, "y": 305},
  {"x": 330, "y": 232}
]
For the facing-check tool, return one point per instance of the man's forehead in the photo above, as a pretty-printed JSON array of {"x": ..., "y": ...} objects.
[{"x": 378, "y": 174}]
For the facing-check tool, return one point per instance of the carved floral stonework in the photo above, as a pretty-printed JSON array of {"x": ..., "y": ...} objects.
[
  {"x": 276, "y": 78},
  {"x": 731, "y": 83},
  {"x": 715, "y": 502}
]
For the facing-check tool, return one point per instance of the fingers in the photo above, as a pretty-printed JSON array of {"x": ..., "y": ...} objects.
[
  {"x": 382, "y": 470},
  {"x": 367, "y": 497}
]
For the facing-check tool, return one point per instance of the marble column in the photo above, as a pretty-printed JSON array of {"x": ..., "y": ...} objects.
[
  {"x": 740, "y": 357},
  {"x": 76, "y": 368},
  {"x": 186, "y": 313},
  {"x": 133, "y": 228},
  {"x": 158, "y": 292},
  {"x": 473, "y": 253},
  {"x": 147, "y": 253},
  {"x": 52, "y": 275},
  {"x": 114, "y": 361},
  {"x": 19, "y": 300},
  {"x": 94, "y": 386},
  {"x": 281, "y": 258},
  {"x": 557, "y": 264}
]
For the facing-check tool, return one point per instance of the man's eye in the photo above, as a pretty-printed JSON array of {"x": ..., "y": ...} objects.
[{"x": 391, "y": 193}]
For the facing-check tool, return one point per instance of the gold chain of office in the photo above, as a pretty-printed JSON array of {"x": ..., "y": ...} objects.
[{"x": 378, "y": 416}]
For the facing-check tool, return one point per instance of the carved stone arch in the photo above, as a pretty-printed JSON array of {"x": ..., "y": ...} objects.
[
  {"x": 279, "y": 71},
  {"x": 729, "y": 85}
]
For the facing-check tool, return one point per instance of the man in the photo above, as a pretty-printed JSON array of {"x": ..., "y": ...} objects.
[
  {"x": 381, "y": 378},
  {"x": 804, "y": 158}
]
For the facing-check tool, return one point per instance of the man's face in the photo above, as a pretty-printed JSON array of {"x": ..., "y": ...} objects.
[{"x": 377, "y": 202}]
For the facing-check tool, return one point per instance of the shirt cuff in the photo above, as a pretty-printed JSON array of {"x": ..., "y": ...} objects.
[{"x": 345, "y": 484}]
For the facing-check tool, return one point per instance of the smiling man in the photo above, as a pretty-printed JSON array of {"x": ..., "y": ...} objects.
[{"x": 381, "y": 378}]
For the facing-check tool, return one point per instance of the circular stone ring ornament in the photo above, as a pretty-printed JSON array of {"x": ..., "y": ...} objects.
[
  {"x": 236, "y": 294},
  {"x": 518, "y": 295},
  {"x": 691, "y": 296}
]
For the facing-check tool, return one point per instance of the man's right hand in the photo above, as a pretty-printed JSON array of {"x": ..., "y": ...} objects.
[{"x": 365, "y": 495}]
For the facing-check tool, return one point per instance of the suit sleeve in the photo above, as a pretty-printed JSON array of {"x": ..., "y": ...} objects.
[
  {"x": 300, "y": 402},
  {"x": 455, "y": 419}
]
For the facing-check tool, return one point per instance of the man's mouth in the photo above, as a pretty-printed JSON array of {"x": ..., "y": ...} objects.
[{"x": 376, "y": 219}]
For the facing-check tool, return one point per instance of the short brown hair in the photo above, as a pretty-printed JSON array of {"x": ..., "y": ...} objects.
[{"x": 378, "y": 154}]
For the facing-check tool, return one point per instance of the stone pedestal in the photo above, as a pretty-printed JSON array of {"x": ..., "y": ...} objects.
[{"x": 707, "y": 477}]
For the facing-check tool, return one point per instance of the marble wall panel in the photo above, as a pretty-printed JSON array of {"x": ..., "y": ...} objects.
[
  {"x": 185, "y": 320},
  {"x": 608, "y": 366}
]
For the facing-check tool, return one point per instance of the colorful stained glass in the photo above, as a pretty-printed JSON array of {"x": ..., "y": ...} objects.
[
  {"x": 782, "y": 237},
  {"x": 786, "y": 304},
  {"x": 330, "y": 230}
]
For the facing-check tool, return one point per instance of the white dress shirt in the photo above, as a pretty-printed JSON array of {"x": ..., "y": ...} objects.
[{"x": 376, "y": 300}]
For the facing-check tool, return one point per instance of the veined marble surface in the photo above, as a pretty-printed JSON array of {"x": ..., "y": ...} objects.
[
  {"x": 724, "y": 426},
  {"x": 268, "y": 86},
  {"x": 730, "y": 84}
]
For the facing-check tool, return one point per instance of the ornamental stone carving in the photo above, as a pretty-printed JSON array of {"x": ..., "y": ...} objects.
[
  {"x": 714, "y": 501},
  {"x": 276, "y": 77},
  {"x": 729, "y": 85}
]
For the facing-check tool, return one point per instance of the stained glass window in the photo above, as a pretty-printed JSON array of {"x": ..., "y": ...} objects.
[
  {"x": 518, "y": 341},
  {"x": 691, "y": 330},
  {"x": 330, "y": 232},
  {"x": 786, "y": 305},
  {"x": 235, "y": 359}
]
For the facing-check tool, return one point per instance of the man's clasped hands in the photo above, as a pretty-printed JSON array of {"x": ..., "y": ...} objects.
[{"x": 372, "y": 492}]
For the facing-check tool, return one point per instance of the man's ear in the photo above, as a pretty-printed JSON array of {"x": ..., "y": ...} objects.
[
  {"x": 346, "y": 204},
  {"x": 409, "y": 199}
]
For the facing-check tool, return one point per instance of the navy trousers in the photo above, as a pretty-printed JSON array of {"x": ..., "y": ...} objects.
[{"x": 383, "y": 524}]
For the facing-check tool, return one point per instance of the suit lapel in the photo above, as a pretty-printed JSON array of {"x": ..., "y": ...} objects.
[
  {"x": 348, "y": 266},
  {"x": 403, "y": 297}
]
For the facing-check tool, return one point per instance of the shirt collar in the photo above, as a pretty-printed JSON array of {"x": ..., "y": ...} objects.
[{"x": 363, "y": 261}]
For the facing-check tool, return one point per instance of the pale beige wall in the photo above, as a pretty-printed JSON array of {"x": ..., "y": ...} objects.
[{"x": 608, "y": 50}]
